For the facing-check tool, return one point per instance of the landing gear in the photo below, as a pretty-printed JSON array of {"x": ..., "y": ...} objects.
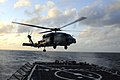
[
  {"x": 44, "y": 50},
  {"x": 54, "y": 46},
  {"x": 65, "y": 47}
]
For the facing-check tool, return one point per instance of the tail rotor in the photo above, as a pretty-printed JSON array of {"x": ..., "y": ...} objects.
[{"x": 29, "y": 36}]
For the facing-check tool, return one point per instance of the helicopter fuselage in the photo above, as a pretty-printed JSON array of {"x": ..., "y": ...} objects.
[
  {"x": 57, "y": 39},
  {"x": 52, "y": 39}
]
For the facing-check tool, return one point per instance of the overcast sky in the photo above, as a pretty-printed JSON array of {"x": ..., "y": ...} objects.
[{"x": 99, "y": 32}]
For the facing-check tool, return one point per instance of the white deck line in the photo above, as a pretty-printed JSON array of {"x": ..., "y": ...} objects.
[
  {"x": 100, "y": 77},
  {"x": 31, "y": 73},
  {"x": 61, "y": 77}
]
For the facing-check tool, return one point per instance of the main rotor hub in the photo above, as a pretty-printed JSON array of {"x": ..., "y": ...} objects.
[{"x": 55, "y": 29}]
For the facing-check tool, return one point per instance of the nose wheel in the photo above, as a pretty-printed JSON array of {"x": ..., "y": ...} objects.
[
  {"x": 44, "y": 50},
  {"x": 54, "y": 46},
  {"x": 65, "y": 47}
]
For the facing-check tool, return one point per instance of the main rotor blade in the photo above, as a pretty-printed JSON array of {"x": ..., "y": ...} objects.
[
  {"x": 80, "y": 19},
  {"x": 44, "y": 32},
  {"x": 30, "y": 25},
  {"x": 73, "y": 31}
]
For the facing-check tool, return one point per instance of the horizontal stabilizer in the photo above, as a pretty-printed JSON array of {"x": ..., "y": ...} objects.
[{"x": 27, "y": 44}]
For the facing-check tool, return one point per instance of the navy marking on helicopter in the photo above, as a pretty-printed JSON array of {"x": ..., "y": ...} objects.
[{"x": 52, "y": 38}]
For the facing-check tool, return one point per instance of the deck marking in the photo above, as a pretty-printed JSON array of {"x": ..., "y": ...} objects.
[
  {"x": 78, "y": 75},
  {"x": 61, "y": 76}
]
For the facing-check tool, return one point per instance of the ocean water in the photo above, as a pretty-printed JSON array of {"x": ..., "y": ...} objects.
[{"x": 10, "y": 61}]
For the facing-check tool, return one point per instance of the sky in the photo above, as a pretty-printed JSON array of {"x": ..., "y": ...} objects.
[{"x": 99, "y": 32}]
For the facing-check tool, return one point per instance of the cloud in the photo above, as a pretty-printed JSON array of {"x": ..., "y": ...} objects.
[
  {"x": 5, "y": 27},
  {"x": 102, "y": 14},
  {"x": 96, "y": 39},
  {"x": 50, "y": 4},
  {"x": 103, "y": 27},
  {"x": 13, "y": 41},
  {"x": 54, "y": 12},
  {"x": 40, "y": 8},
  {"x": 2, "y": 1},
  {"x": 22, "y": 3},
  {"x": 54, "y": 17},
  {"x": 22, "y": 29}
]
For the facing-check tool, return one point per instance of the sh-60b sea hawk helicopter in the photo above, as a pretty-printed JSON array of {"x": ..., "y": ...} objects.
[{"x": 52, "y": 38}]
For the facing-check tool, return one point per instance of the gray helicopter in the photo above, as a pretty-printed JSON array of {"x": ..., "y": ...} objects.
[{"x": 53, "y": 37}]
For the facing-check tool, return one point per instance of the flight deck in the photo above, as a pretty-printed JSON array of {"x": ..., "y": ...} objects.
[{"x": 64, "y": 70}]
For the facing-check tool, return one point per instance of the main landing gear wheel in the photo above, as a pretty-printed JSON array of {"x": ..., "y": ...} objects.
[
  {"x": 65, "y": 47},
  {"x": 44, "y": 50},
  {"x": 54, "y": 46}
]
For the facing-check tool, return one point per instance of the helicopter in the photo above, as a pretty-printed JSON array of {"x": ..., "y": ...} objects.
[{"x": 53, "y": 37}]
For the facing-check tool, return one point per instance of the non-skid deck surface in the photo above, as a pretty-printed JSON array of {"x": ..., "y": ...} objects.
[{"x": 62, "y": 71}]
